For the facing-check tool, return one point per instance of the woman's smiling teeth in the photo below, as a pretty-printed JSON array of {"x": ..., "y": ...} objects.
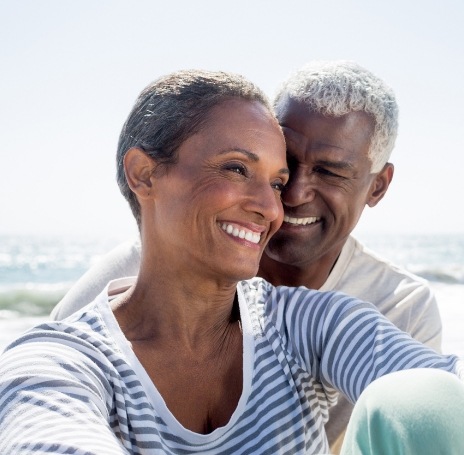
[
  {"x": 241, "y": 233},
  {"x": 303, "y": 221}
]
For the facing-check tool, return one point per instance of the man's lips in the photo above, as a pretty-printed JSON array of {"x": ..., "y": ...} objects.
[{"x": 301, "y": 221}]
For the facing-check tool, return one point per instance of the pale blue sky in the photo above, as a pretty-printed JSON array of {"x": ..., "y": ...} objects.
[{"x": 71, "y": 69}]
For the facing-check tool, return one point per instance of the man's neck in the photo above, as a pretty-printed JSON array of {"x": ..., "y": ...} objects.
[{"x": 311, "y": 274}]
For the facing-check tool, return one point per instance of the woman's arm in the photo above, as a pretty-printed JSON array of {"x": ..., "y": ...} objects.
[
  {"x": 361, "y": 345},
  {"x": 347, "y": 343},
  {"x": 54, "y": 399}
]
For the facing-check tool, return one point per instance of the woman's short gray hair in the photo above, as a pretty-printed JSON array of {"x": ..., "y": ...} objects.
[
  {"x": 335, "y": 88},
  {"x": 170, "y": 110}
]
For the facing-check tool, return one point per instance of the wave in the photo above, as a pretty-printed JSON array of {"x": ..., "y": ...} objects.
[
  {"x": 441, "y": 275},
  {"x": 36, "y": 272},
  {"x": 33, "y": 299},
  {"x": 30, "y": 299}
]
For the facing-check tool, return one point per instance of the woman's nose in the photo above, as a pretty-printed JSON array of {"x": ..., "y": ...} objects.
[{"x": 265, "y": 200}]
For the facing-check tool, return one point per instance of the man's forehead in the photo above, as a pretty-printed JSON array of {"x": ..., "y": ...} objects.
[
  {"x": 324, "y": 150},
  {"x": 287, "y": 105},
  {"x": 298, "y": 145}
]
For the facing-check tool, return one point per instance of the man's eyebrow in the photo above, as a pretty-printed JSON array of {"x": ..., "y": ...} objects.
[{"x": 335, "y": 164}]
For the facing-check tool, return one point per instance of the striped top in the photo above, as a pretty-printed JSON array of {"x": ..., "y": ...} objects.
[{"x": 75, "y": 386}]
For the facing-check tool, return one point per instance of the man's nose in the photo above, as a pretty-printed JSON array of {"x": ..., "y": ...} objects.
[{"x": 299, "y": 190}]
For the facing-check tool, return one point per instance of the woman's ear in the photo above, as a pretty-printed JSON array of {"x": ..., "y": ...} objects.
[
  {"x": 138, "y": 167},
  {"x": 380, "y": 185}
]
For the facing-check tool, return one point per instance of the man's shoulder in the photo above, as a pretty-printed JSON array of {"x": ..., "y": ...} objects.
[
  {"x": 357, "y": 259},
  {"x": 365, "y": 274},
  {"x": 403, "y": 297}
]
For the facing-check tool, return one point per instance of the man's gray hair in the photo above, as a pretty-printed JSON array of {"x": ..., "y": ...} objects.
[{"x": 336, "y": 88}]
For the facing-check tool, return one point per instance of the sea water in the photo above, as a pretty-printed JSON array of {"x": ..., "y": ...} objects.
[{"x": 36, "y": 272}]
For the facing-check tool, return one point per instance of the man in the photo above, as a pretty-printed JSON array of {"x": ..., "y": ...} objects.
[{"x": 340, "y": 125}]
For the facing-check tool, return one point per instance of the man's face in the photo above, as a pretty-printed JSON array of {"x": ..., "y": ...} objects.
[{"x": 330, "y": 182}]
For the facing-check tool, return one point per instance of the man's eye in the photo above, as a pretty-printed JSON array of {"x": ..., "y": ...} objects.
[{"x": 323, "y": 171}]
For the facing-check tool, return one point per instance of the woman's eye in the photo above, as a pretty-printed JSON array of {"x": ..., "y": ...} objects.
[
  {"x": 237, "y": 168},
  {"x": 278, "y": 186}
]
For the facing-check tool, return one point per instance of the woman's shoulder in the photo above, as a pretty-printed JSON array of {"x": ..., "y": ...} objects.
[
  {"x": 79, "y": 338},
  {"x": 296, "y": 305}
]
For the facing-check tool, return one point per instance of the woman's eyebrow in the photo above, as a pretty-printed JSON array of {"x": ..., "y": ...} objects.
[{"x": 250, "y": 155}]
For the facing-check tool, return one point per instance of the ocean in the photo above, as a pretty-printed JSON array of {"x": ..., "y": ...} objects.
[{"x": 36, "y": 272}]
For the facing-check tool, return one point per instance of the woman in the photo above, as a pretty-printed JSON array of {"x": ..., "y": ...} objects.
[{"x": 187, "y": 357}]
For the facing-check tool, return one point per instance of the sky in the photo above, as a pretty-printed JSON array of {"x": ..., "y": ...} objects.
[{"x": 71, "y": 70}]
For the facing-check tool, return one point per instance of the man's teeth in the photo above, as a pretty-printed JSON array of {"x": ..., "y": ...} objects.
[
  {"x": 303, "y": 221},
  {"x": 252, "y": 237}
]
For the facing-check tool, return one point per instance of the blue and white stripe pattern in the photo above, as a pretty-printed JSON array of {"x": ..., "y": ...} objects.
[{"x": 76, "y": 387}]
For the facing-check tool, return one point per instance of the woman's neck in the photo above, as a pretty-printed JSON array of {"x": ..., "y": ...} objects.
[
  {"x": 190, "y": 344},
  {"x": 181, "y": 307}
]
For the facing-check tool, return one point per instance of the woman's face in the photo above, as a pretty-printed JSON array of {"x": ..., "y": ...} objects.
[{"x": 217, "y": 207}]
